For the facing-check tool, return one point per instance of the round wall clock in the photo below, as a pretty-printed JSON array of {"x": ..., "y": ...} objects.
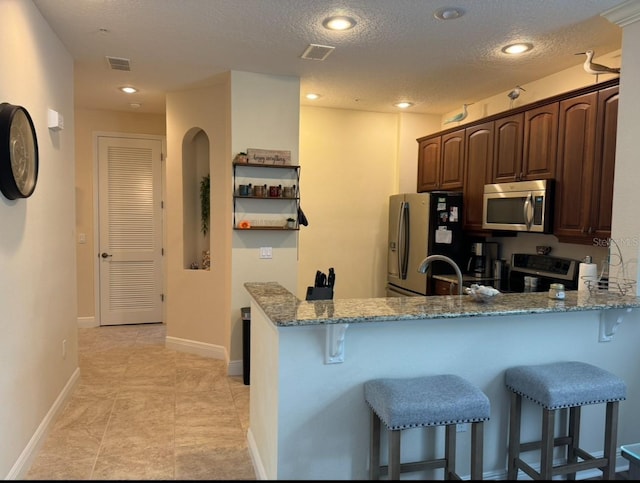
[{"x": 18, "y": 152}]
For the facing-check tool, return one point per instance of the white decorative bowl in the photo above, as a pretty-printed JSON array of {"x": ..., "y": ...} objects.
[{"x": 481, "y": 294}]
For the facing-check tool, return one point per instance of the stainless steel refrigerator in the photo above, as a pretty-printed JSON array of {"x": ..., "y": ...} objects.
[{"x": 422, "y": 224}]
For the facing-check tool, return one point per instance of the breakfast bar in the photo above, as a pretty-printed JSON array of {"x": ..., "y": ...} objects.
[{"x": 310, "y": 360}]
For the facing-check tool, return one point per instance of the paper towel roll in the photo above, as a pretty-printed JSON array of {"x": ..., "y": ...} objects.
[{"x": 586, "y": 271}]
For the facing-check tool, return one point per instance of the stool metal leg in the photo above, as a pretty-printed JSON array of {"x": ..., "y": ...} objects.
[
  {"x": 450, "y": 451},
  {"x": 394, "y": 453},
  {"x": 546, "y": 450},
  {"x": 374, "y": 448},
  {"x": 477, "y": 450},
  {"x": 610, "y": 441},
  {"x": 514, "y": 435}
]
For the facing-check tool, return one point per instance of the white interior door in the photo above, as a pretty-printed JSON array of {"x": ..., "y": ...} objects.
[{"x": 130, "y": 224}]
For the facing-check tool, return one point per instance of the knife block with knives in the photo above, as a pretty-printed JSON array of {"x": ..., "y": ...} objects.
[{"x": 323, "y": 286}]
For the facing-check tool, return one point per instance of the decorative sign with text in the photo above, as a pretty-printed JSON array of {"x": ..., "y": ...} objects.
[{"x": 268, "y": 156}]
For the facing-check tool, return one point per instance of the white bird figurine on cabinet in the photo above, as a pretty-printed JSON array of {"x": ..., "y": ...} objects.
[
  {"x": 461, "y": 116},
  {"x": 591, "y": 67},
  {"x": 514, "y": 94}
]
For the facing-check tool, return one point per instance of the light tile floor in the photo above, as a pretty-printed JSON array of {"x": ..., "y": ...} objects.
[{"x": 144, "y": 412}]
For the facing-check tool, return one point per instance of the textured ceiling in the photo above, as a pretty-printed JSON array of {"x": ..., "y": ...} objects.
[{"x": 397, "y": 51}]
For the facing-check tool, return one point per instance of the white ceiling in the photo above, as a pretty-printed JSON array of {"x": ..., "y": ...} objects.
[{"x": 397, "y": 51}]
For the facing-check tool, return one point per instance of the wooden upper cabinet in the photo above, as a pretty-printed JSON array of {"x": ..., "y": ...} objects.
[
  {"x": 575, "y": 161},
  {"x": 604, "y": 164},
  {"x": 478, "y": 163},
  {"x": 441, "y": 162},
  {"x": 570, "y": 138},
  {"x": 452, "y": 167},
  {"x": 526, "y": 145},
  {"x": 428, "y": 164},
  {"x": 540, "y": 142},
  {"x": 507, "y": 151}
]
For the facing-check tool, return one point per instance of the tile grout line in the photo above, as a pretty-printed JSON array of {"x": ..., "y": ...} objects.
[{"x": 115, "y": 399}]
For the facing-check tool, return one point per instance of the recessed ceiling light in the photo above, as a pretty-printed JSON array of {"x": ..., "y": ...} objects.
[
  {"x": 403, "y": 104},
  {"x": 311, "y": 96},
  {"x": 448, "y": 13},
  {"x": 129, "y": 90},
  {"x": 517, "y": 48},
  {"x": 339, "y": 23}
]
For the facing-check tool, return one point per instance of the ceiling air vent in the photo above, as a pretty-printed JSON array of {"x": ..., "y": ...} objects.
[
  {"x": 118, "y": 63},
  {"x": 317, "y": 52}
]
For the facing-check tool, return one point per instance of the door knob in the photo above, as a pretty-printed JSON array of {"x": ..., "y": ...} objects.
[{"x": 105, "y": 255}]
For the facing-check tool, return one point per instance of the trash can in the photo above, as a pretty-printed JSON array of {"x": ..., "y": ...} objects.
[{"x": 246, "y": 343}]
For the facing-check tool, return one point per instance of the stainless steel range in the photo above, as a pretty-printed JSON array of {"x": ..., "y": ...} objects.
[{"x": 546, "y": 269}]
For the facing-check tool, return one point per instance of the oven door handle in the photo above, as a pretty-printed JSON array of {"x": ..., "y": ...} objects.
[{"x": 528, "y": 211}]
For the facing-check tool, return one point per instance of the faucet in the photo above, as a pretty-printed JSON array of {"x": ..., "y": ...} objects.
[{"x": 424, "y": 266}]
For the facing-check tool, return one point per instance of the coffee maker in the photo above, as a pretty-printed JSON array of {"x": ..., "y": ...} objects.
[{"x": 480, "y": 262}]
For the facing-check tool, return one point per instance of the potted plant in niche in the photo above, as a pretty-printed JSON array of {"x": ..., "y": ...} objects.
[
  {"x": 291, "y": 223},
  {"x": 204, "y": 204}
]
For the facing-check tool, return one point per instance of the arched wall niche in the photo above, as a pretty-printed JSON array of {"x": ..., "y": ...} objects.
[{"x": 195, "y": 170}]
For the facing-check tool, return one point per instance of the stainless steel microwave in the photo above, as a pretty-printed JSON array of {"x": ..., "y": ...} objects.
[{"x": 518, "y": 206}]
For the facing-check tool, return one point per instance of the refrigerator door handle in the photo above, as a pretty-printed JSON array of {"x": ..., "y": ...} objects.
[
  {"x": 403, "y": 239},
  {"x": 400, "y": 247}
]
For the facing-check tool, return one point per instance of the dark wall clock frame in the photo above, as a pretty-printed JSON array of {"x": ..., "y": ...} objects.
[{"x": 18, "y": 152}]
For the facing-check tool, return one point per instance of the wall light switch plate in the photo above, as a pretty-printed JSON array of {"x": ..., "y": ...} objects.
[{"x": 266, "y": 252}]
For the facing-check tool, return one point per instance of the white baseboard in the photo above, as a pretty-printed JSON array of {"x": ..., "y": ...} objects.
[
  {"x": 235, "y": 368},
  {"x": 194, "y": 347},
  {"x": 87, "y": 322},
  {"x": 258, "y": 467},
  {"x": 26, "y": 458}
]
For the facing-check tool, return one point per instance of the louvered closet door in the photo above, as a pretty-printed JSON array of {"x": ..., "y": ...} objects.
[{"x": 130, "y": 256}]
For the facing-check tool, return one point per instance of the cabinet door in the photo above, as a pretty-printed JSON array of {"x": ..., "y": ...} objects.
[
  {"x": 576, "y": 138},
  {"x": 428, "y": 164},
  {"x": 540, "y": 142},
  {"x": 452, "y": 163},
  {"x": 479, "y": 154},
  {"x": 604, "y": 165},
  {"x": 442, "y": 287},
  {"x": 507, "y": 161}
]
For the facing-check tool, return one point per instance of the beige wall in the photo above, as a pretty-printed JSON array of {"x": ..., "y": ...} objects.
[
  {"x": 89, "y": 122},
  {"x": 197, "y": 304},
  {"x": 265, "y": 114},
  {"x": 626, "y": 194},
  {"x": 37, "y": 254},
  {"x": 349, "y": 161}
]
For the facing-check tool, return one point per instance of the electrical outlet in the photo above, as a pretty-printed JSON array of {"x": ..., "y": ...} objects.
[
  {"x": 64, "y": 348},
  {"x": 266, "y": 252},
  {"x": 461, "y": 428}
]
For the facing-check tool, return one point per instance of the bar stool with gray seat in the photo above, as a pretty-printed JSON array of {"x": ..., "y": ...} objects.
[
  {"x": 439, "y": 400},
  {"x": 563, "y": 386}
]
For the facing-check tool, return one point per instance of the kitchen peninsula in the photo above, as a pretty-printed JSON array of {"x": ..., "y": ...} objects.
[{"x": 309, "y": 360}]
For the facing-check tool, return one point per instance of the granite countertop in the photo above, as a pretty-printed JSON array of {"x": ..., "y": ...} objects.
[{"x": 285, "y": 310}]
